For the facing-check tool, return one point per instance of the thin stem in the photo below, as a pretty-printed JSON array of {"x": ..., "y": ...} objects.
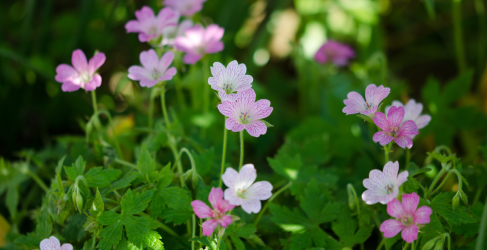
[
  {"x": 194, "y": 232},
  {"x": 483, "y": 222},
  {"x": 38, "y": 180},
  {"x": 125, "y": 163},
  {"x": 115, "y": 140},
  {"x": 224, "y": 150},
  {"x": 219, "y": 241},
  {"x": 95, "y": 105},
  {"x": 350, "y": 187},
  {"x": 458, "y": 35},
  {"x": 191, "y": 159},
  {"x": 453, "y": 171},
  {"x": 412, "y": 245},
  {"x": 151, "y": 108},
  {"x": 241, "y": 150},
  {"x": 163, "y": 104},
  {"x": 177, "y": 163},
  {"x": 438, "y": 176},
  {"x": 206, "y": 91},
  {"x": 270, "y": 200},
  {"x": 381, "y": 243},
  {"x": 405, "y": 246},
  {"x": 386, "y": 151}
]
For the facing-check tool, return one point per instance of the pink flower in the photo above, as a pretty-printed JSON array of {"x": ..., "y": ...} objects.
[
  {"x": 169, "y": 34},
  {"x": 185, "y": 7},
  {"x": 82, "y": 74},
  {"x": 242, "y": 191},
  {"x": 392, "y": 128},
  {"x": 148, "y": 25},
  {"x": 154, "y": 70},
  {"x": 412, "y": 112},
  {"x": 53, "y": 244},
  {"x": 245, "y": 113},
  {"x": 334, "y": 52},
  {"x": 229, "y": 80},
  {"x": 199, "y": 41},
  {"x": 217, "y": 215},
  {"x": 383, "y": 186},
  {"x": 356, "y": 103},
  {"x": 408, "y": 218}
]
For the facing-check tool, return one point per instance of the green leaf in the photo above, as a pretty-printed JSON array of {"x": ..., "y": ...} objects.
[
  {"x": 411, "y": 185},
  {"x": 125, "y": 181},
  {"x": 73, "y": 230},
  {"x": 44, "y": 224},
  {"x": 205, "y": 161},
  {"x": 241, "y": 230},
  {"x": 441, "y": 205},
  {"x": 176, "y": 216},
  {"x": 267, "y": 124},
  {"x": 135, "y": 203},
  {"x": 59, "y": 183},
  {"x": 110, "y": 235},
  {"x": 99, "y": 177},
  {"x": 239, "y": 245},
  {"x": 440, "y": 157},
  {"x": 98, "y": 202},
  {"x": 145, "y": 164},
  {"x": 432, "y": 229},
  {"x": 286, "y": 165},
  {"x": 167, "y": 176},
  {"x": 137, "y": 228},
  {"x": 205, "y": 241},
  {"x": 413, "y": 169},
  {"x": 289, "y": 220},
  {"x": 89, "y": 244},
  {"x": 174, "y": 198},
  {"x": 345, "y": 227},
  {"x": 79, "y": 166},
  {"x": 12, "y": 200},
  {"x": 300, "y": 241},
  {"x": 60, "y": 165}
]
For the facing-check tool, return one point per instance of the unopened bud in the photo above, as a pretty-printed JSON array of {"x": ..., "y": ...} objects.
[
  {"x": 439, "y": 244},
  {"x": 429, "y": 245},
  {"x": 455, "y": 201},
  {"x": 79, "y": 202}
]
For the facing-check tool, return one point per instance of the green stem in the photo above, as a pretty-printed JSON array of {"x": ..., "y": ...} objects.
[
  {"x": 193, "y": 232},
  {"x": 270, "y": 200},
  {"x": 93, "y": 98},
  {"x": 453, "y": 171},
  {"x": 163, "y": 104},
  {"x": 179, "y": 91},
  {"x": 386, "y": 151},
  {"x": 219, "y": 241},
  {"x": 224, "y": 150},
  {"x": 125, "y": 163},
  {"x": 191, "y": 159},
  {"x": 350, "y": 187},
  {"x": 206, "y": 91},
  {"x": 381, "y": 243},
  {"x": 177, "y": 163},
  {"x": 38, "y": 180},
  {"x": 151, "y": 108},
  {"x": 241, "y": 150},
  {"x": 412, "y": 245},
  {"x": 405, "y": 246},
  {"x": 115, "y": 140},
  {"x": 483, "y": 222},
  {"x": 458, "y": 35},
  {"x": 438, "y": 176}
]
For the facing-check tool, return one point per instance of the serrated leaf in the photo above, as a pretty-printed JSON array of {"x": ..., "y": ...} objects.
[
  {"x": 99, "y": 177},
  {"x": 413, "y": 169},
  {"x": 176, "y": 216},
  {"x": 411, "y": 185},
  {"x": 135, "y": 203},
  {"x": 345, "y": 227},
  {"x": 98, "y": 202},
  {"x": 44, "y": 224},
  {"x": 239, "y": 245},
  {"x": 60, "y": 186},
  {"x": 205, "y": 241},
  {"x": 241, "y": 230},
  {"x": 440, "y": 157},
  {"x": 12, "y": 200},
  {"x": 111, "y": 235},
  {"x": 441, "y": 205},
  {"x": 432, "y": 229},
  {"x": 287, "y": 219},
  {"x": 73, "y": 230},
  {"x": 60, "y": 165},
  {"x": 137, "y": 229},
  {"x": 145, "y": 163},
  {"x": 300, "y": 241},
  {"x": 125, "y": 181},
  {"x": 79, "y": 166}
]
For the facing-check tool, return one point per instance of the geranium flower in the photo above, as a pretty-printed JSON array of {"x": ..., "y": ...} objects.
[
  {"x": 198, "y": 41},
  {"x": 169, "y": 34},
  {"x": 334, "y": 52},
  {"x": 154, "y": 70},
  {"x": 242, "y": 191},
  {"x": 185, "y": 7},
  {"x": 383, "y": 186},
  {"x": 408, "y": 218},
  {"x": 217, "y": 215},
  {"x": 82, "y": 74},
  {"x": 412, "y": 112},
  {"x": 148, "y": 25},
  {"x": 227, "y": 81},
  {"x": 245, "y": 113},
  {"x": 392, "y": 128},
  {"x": 53, "y": 244},
  {"x": 356, "y": 103}
]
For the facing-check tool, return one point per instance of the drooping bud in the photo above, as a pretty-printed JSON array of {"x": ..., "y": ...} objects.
[{"x": 455, "y": 201}]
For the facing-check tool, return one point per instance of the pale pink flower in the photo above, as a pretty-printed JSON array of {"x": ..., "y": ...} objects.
[
  {"x": 245, "y": 113},
  {"x": 198, "y": 41},
  {"x": 383, "y": 186},
  {"x": 412, "y": 112},
  {"x": 408, "y": 218},
  {"x": 217, "y": 215},
  {"x": 228, "y": 81},
  {"x": 242, "y": 191},
  {"x": 373, "y": 96},
  {"x": 392, "y": 128},
  {"x": 185, "y": 7},
  {"x": 53, "y": 244},
  {"x": 154, "y": 70},
  {"x": 334, "y": 52},
  {"x": 148, "y": 25},
  {"x": 82, "y": 74},
  {"x": 169, "y": 34}
]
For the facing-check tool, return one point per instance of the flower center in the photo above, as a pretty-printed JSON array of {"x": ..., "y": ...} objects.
[
  {"x": 156, "y": 74},
  {"x": 407, "y": 220},
  {"x": 241, "y": 193},
  {"x": 368, "y": 106},
  {"x": 85, "y": 77},
  {"x": 217, "y": 214},
  {"x": 244, "y": 118},
  {"x": 389, "y": 189},
  {"x": 394, "y": 131},
  {"x": 153, "y": 30},
  {"x": 228, "y": 88}
]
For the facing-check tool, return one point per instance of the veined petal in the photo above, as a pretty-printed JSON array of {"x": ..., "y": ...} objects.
[
  {"x": 404, "y": 141},
  {"x": 208, "y": 227},
  {"x": 224, "y": 97},
  {"x": 410, "y": 203},
  {"x": 395, "y": 208},
  {"x": 394, "y": 103},
  {"x": 260, "y": 190},
  {"x": 410, "y": 233},
  {"x": 422, "y": 121},
  {"x": 225, "y": 206},
  {"x": 370, "y": 93},
  {"x": 79, "y": 61},
  {"x": 230, "y": 178},
  {"x": 402, "y": 177},
  {"x": 256, "y": 128},
  {"x": 149, "y": 59},
  {"x": 233, "y": 125},
  {"x": 50, "y": 244},
  {"x": 391, "y": 228},
  {"x": 217, "y": 69},
  {"x": 246, "y": 176},
  {"x": 408, "y": 128},
  {"x": 261, "y": 109},
  {"x": 391, "y": 169},
  {"x": 228, "y": 109},
  {"x": 422, "y": 215},
  {"x": 382, "y": 138},
  {"x": 395, "y": 116},
  {"x": 67, "y": 246},
  {"x": 380, "y": 94},
  {"x": 201, "y": 209},
  {"x": 251, "y": 206},
  {"x": 354, "y": 104},
  {"x": 215, "y": 197},
  {"x": 381, "y": 121},
  {"x": 371, "y": 197},
  {"x": 246, "y": 98},
  {"x": 225, "y": 221}
]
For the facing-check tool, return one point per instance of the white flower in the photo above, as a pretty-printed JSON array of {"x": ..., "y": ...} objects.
[
  {"x": 412, "y": 112},
  {"x": 53, "y": 244},
  {"x": 228, "y": 81},
  {"x": 242, "y": 191},
  {"x": 383, "y": 186}
]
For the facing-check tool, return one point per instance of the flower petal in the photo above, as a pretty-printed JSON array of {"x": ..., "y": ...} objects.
[
  {"x": 402, "y": 177},
  {"x": 382, "y": 138},
  {"x": 65, "y": 73},
  {"x": 394, "y": 103},
  {"x": 422, "y": 121},
  {"x": 354, "y": 104},
  {"x": 225, "y": 206},
  {"x": 395, "y": 116},
  {"x": 215, "y": 197},
  {"x": 391, "y": 169},
  {"x": 149, "y": 59},
  {"x": 170, "y": 73},
  {"x": 79, "y": 61},
  {"x": 381, "y": 121},
  {"x": 230, "y": 178},
  {"x": 191, "y": 58},
  {"x": 225, "y": 221},
  {"x": 260, "y": 190},
  {"x": 69, "y": 86},
  {"x": 165, "y": 61},
  {"x": 214, "y": 47},
  {"x": 391, "y": 228},
  {"x": 395, "y": 208},
  {"x": 231, "y": 196},
  {"x": 208, "y": 227},
  {"x": 96, "y": 62},
  {"x": 256, "y": 128},
  {"x": 371, "y": 197},
  {"x": 234, "y": 126},
  {"x": 404, "y": 141},
  {"x": 67, "y": 246},
  {"x": 410, "y": 233},
  {"x": 246, "y": 176},
  {"x": 410, "y": 203},
  {"x": 94, "y": 83},
  {"x": 380, "y": 94},
  {"x": 261, "y": 109},
  {"x": 408, "y": 128},
  {"x": 201, "y": 209},
  {"x": 422, "y": 215},
  {"x": 50, "y": 244},
  {"x": 227, "y": 108},
  {"x": 251, "y": 206},
  {"x": 246, "y": 97}
]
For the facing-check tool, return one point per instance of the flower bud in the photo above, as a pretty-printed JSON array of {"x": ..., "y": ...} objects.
[
  {"x": 439, "y": 244},
  {"x": 429, "y": 245},
  {"x": 79, "y": 202},
  {"x": 455, "y": 201},
  {"x": 351, "y": 197},
  {"x": 464, "y": 197}
]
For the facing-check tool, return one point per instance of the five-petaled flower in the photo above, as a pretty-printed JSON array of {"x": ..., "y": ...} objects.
[
  {"x": 412, "y": 112},
  {"x": 392, "y": 129},
  {"x": 245, "y": 113},
  {"x": 154, "y": 70},
  {"x": 383, "y": 186},
  {"x": 356, "y": 104},
  {"x": 82, "y": 74},
  {"x": 334, "y": 52},
  {"x": 242, "y": 191},
  {"x": 185, "y": 7},
  {"x": 169, "y": 34},
  {"x": 227, "y": 81},
  {"x": 408, "y": 218},
  {"x": 217, "y": 215},
  {"x": 150, "y": 26},
  {"x": 198, "y": 41},
  {"x": 53, "y": 244}
]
